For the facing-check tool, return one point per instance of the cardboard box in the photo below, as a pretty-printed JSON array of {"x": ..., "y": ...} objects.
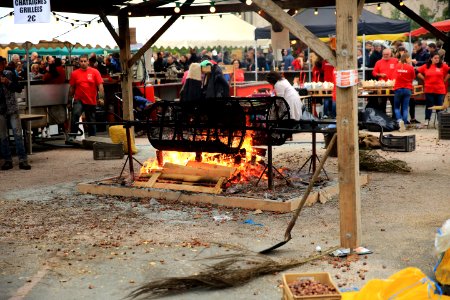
[{"x": 323, "y": 277}]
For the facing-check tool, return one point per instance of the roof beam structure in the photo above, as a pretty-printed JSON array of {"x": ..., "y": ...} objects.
[
  {"x": 158, "y": 34},
  {"x": 110, "y": 28},
  {"x": 419, "y": 20},
  {"x": 296, "y": 29}
]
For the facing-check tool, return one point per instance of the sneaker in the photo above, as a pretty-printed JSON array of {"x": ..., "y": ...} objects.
[
  {"x": 427, "y": 122},
  {"x": 24, "y": 165},
  {"x": 7, "y": 166},
  {"x": 401, "y": 124},
  {"x": 414, "y": 121}
]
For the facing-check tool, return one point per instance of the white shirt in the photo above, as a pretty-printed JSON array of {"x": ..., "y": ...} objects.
[{"x": 284, "y": 89}]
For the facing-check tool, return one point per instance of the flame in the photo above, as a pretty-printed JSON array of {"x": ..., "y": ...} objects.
[{"x": 246, "y": 165}]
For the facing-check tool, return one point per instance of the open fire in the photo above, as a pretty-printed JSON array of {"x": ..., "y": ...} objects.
[{"x": 245, "y": 165}]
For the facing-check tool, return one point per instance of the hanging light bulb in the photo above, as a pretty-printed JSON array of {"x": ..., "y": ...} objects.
[
  {"x": 57, "y": 19},
  {"x": 212, "y": 8},
  {"x": 72, "y": 24},
  {"x": 316, "y": 11},
  {"x": 248, "y": 2},
  {"x": 296, "y": 11},
  {"x": 259, "y": 12},
  {"x": 293, "y": 42},
  {"x": 177, "y": 8},
  {"x": 86, "y": 25},
  {"x": 11, "y": 14},
  {"x": 335, "y": 12},
  {"x": 220, "y": 16},
  {"x": 129, "y": 13},
  {"x": 201, "y": 17},
  {"x": 401, "y": 3},
  {"x": 379, "y": 6}
]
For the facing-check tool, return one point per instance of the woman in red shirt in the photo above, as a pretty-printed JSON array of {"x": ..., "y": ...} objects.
[
  {"x": 434, "y": 74},
  {"x": 237, "y": 72},
  {"x": 403, "y": 85}
]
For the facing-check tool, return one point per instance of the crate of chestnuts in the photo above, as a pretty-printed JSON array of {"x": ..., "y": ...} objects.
[{"x": 309, "y": 286}]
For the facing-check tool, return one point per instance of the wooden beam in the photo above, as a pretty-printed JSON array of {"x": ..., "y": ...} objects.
[
  {"x": 419, "y": 20},
  {"x": 158, "y": 34},
  {"x": 127, "y": 78},
  {"x": 297, "y": 29},
  {"x": 347, "y": 128},
  {"x": 360, "y": 7},
  {"x": 110, "y": 28}
]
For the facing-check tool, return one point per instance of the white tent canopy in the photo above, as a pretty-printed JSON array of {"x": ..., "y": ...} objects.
[{"x": 193, "y": 31}]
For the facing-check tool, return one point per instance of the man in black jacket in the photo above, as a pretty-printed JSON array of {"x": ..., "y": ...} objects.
[{"x": 9, "y": 112}]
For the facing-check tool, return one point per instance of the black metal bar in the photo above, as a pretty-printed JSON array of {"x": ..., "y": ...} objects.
[{"x": 269, "y": 162}]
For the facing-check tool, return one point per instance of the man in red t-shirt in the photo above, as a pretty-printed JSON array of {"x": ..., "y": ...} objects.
[
  {"x": 84, "y": 84},
  {"x": 384, "y": 69}
]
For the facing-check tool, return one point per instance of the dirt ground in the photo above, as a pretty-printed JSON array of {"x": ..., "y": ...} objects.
[{"x": 58, "y": 244}]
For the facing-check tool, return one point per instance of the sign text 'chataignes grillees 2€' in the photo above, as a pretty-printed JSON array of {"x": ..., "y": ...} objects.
[{"x": 32, "y": 11}]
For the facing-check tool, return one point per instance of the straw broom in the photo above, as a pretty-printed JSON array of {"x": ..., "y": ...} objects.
[{"x": 232, "y": 270}]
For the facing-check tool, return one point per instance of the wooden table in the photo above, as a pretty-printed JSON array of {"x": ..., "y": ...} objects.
[{"x": 25, "y": 120}]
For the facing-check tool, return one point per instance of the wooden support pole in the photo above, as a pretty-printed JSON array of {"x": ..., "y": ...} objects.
[
  {"x": 297, "y": 29},
  {"x": 360, "y": 7},
  {"x": 158, "y": 34},
  {"x": 110, "y": 28},
  {"x": 419, "y": 20},
  {"x": 347, "y": 128},
  {"x": 127, "y": 78}
]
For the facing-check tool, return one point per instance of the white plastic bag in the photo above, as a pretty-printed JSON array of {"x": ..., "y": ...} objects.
[{"x": 442, "y": 241}]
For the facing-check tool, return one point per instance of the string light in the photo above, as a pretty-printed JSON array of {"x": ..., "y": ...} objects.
[
  {"x": 220, "y": 16},
  {"x": 248, "y": 2},
  {"x": 129, "y": 13},
  {"x": 259, "y": 12},
  {"x": 334, "y": 11},
  {"x": 379, "y": 6},
  {"x": 201, "y": 17},
  {"x": 316, "y": 11},
  {"x": 296, "y": 11},
  {"x": 177, "y": 8},
  {"x": 212, "y": 9},
  {"x": 401, "y": 3}
]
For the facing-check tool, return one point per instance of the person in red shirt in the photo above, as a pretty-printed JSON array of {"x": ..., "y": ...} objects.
[
  {"x": 84, "y": 84},
  {"x": 237, "y": 72},
  {"x": 403, "y": 87},
  {"x": 297, "y": 64},
  {"x": 329, "y": 104},
  {"x": 384, "y": 69},
  {"x": 435, "y": 74}
]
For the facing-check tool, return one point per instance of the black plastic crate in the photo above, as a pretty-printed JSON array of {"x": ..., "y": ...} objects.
[
  {"x": 444, "y": 119},
  {"x": 444, "y": 132},
  {"x": 398, "y": 143},
  {"x": 103, "y": 151}
]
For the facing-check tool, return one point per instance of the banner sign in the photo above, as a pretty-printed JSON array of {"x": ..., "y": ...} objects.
[
  {"x": 346, "y": 78},
  {"x": 32, "y": 11}
]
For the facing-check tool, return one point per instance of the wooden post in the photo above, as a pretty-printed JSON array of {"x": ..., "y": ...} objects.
[
  {"x": 127, "y": 78},
  {"x": 347, "y": 128}
]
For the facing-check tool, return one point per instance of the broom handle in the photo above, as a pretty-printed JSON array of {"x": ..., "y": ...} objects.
[{"x": 316, "y": 174}]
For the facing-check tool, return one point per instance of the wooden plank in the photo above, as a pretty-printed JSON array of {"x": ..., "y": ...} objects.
[
  {"x": 347, "y": 128},
  {"x": 218, "y": 187},
  {"x": 221, "y": 170},
  {"x": 189, "y": 178},
  {"x": 297, "y": 29},
  {"x": 152, "y": 180},
  {"x": 182, "y": 187},
  {"x": 171, "y": 168}
]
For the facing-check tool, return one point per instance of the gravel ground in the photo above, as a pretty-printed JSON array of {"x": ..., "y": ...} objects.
[{"x": 58, "y": 244}]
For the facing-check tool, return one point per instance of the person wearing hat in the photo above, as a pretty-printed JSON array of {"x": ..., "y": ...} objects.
[
  {"x": 214, "y": 84},
  {"x": 9, "y": 112}
]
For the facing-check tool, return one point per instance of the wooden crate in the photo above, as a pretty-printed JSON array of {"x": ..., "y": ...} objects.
[
  {"x": 194, "y": 177},
  {"x": 322, "y": 277},
  {"x": 320, "y": 92}
]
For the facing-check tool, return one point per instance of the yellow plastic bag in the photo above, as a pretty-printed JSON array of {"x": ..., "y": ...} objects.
[
  {"x": 407, "y": 284},
  {"x": 443, "y": 269},
  {"x": 118, "y": 135}
]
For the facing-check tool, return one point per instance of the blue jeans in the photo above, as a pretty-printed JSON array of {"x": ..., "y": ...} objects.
[
  {"x": 16, "y": 127},
  {"x": 329, "y": 107},
  {"x": 432, "y": 100},
  {"x": 401, "y": 99},
  {"x": 77, "y": 111}
]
